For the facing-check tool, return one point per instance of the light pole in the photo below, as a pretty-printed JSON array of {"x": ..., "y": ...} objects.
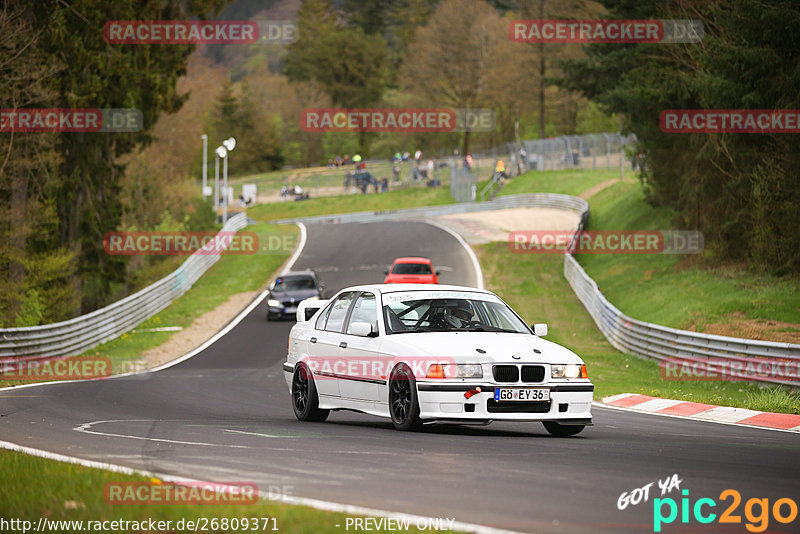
[
  {"x": 204, "y": 137},
  {"x": 227, "y": 145},
  {"x": 220, "y": 153}
]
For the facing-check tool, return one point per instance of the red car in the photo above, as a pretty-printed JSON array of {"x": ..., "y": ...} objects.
[{"x": 411, "y": 271}]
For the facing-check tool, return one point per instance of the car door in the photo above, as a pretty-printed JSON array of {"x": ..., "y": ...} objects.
[
  {"x": 365, "y": 365},
  {"x": 324, "y": 344}
]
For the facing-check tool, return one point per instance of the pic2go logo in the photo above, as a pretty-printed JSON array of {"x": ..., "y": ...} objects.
[{"x": 756, "y": 511}]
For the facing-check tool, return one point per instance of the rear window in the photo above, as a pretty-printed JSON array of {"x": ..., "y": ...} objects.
[{"x": 412, "y": 268}]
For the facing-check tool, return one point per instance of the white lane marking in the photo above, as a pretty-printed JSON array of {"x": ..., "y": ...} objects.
[
  {"x": 257, "y": 434},
  {"x": 471, "y": 253},
  {"x": 300, "y": 246},
  {"x": 598, "y": 404},
  {"x": 265, "y": 495},
  {"x": 85, "y": 428}
]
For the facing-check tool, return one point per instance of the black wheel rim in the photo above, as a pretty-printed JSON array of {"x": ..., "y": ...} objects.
[
  {"x": 401, "y": 397},
  {"x": 300, "y": 388}
]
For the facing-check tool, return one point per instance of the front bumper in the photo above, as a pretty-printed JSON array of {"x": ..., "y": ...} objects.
[
  {"x": 570, "y": 403},
  {"x": 282, "y": 311}
]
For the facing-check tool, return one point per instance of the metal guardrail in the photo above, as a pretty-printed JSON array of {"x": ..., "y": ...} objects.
[
  {"x": 623, "y": 332},
  {"x": 74, "y": 336}
]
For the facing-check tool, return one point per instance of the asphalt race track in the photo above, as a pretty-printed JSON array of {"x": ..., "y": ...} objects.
[{"x": 225, "y": 415}]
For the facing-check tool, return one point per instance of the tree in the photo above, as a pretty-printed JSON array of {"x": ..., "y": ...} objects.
[
  {"x": 352, "y": 67},
  {"x": 35, "y": 268},
  {"x": 96, "y": 74},
  {"x": 454, "y": 58},
  {"x": 740, "y": 190}
]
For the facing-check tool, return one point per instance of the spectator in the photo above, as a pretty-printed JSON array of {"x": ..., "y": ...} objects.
[
  {"x": 431, "y": 168},
  {"x": 500, "y": 170},
  {"x": 468, "y": 160},
  {"x": 406, "y": 155},
  {"x": 384, "y": 185},
  {"x": 417, "y": 156}
]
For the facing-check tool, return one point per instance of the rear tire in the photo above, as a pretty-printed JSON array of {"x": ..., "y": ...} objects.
[
  {"x": 305, "y": 401},
  {"x": 403, "y": 401},
  {"x": 562, "y": 431}
]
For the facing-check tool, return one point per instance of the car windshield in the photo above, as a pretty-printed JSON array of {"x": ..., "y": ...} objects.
[
  {"x": 449, "y": 315},
  {"x": 294, "y": 283},
  {"x": 412, "y": 268}
]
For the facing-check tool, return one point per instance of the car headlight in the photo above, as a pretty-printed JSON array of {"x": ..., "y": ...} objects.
[
  {"x": 455, "y": 370},
  {"x": 274, "y": 303},
  {"x": 570, "y": 370}
]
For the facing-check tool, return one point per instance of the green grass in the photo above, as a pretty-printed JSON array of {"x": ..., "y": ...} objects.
[
  {"x": 775, "y": 399},
  {"x": 391, "y": 200},
  {"x": 35, "y": 487},
  {"x": 230, "y": 275},
  {"x": 680, "y": 291},
  {"x": 534, "y": 285},
  {"x": 567, "y": 182}
]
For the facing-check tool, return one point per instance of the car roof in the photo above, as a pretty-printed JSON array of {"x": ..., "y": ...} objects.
[
  {"x": 395, "y": 288},
  {"x": 412, "y": 259},
  {"x": 297, "y": 273}
]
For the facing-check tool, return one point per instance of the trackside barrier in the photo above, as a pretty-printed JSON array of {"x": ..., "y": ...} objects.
[
  {"x": 623, "y": 332},
  {"x": 74, "y": 336}
]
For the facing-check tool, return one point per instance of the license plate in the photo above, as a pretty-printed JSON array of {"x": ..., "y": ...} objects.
[
  {"x": 522, "y": 394},
  {"x": 290, "y": 309}
]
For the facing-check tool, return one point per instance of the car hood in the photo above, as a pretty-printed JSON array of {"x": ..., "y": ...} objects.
[
  {"x": 499, "y": 347},
  {"x": 297, "y": 294}
]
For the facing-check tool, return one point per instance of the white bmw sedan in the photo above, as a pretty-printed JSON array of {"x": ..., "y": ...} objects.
[{"x": 418, "y": 355}]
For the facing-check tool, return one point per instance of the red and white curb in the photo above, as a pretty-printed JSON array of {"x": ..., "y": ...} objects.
[{"x": 705, "y": 412}]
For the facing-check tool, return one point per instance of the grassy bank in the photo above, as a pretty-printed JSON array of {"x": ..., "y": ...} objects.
[
  {"x": 62, "y": 491},
  {"x": 681, "y": 291},
  {"x": 232, "y": 274}
]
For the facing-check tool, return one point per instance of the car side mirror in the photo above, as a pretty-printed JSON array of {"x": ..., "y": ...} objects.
[
  {"x": 386, "y": 272},
  {"x": 438, "y": 273},
  {"x": 539, "y": 329},
  {"x": 361, "y": 329}
]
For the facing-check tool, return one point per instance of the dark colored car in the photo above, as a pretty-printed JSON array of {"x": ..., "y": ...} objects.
[{"x": 286, "y": 292}]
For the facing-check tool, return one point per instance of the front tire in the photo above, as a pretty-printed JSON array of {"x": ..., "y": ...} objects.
[
  {"x": 403, "y": 401},
  {"x": 305, "y": 401},
  {"x": 562, "y": 431}
]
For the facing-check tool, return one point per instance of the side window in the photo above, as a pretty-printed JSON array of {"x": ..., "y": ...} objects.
[
  {"x": 365, "y": 311},
  {"x": 338, "y": 312},
  {"x": 320, "y": 324}
]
